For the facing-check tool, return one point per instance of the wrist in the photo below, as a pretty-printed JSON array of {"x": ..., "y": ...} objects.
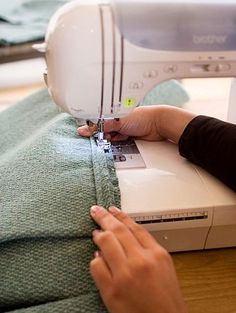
[{"x": 171, "y": 122}]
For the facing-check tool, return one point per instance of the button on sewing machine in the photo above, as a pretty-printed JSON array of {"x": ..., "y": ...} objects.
[
  {"x": 150, "y": 74},
  {"x": 136, "y": 85},
  {"x": 219, "y": 67},
  {"x": 211, "y": 68},
  {"x": 170, "y": 68}
]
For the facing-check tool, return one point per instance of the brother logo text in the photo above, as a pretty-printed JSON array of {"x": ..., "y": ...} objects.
[{"x": 209, "y": 39}]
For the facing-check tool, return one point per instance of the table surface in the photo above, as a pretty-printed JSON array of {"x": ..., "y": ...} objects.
[
  {"x": 18, "y": 52},
  {"x": 208, "y": 280}
]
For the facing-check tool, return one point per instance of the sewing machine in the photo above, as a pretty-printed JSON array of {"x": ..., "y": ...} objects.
[{"x": 102, "y": 58}]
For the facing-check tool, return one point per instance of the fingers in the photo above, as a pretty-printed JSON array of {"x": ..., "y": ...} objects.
[
  {"x": 117, "y": 137},
  {"x": 113, "y": 125},
  {"x": 109, "y": 223},
  {"x": 110, "y": 126},
  {"x": 127, "y": 231},
  {"x": 139, "y": 232},
  {"x": 100, "y": 272},
  {"x": 86, "y": 130},
  {"x": 120, "y": 241},
  {"x": 111, "y": 249}
]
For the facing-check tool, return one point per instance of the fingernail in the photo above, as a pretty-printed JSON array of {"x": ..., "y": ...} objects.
[
  {"x": 114, "y": 210},
  {"x": 95, "y": 209},
  {"x": 95, "y": 232},
  {"x": 96, "y": 254}
]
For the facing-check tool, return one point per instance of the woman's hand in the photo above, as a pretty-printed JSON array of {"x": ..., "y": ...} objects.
[
  {"x": 140, "y": 123},
  {"x": 151, "y": 123},
  {"x": 133, "y": 273}
]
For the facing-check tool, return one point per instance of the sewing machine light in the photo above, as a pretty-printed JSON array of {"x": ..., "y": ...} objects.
[{"x": 129, "y": 102}]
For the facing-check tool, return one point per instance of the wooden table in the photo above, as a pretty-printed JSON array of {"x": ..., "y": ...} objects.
[
  {"x": 18, "y": 52},
  {"x": 208, "y": 280}
]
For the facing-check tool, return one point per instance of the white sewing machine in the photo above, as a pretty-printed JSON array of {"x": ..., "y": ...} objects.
[{"x": 102, "y": 59}]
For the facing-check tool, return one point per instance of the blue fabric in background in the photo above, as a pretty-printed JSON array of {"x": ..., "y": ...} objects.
[{"x": 23, "y": 21}]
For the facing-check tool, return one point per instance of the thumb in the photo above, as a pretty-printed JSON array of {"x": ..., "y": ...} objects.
[{"x": 86, "y": 131}]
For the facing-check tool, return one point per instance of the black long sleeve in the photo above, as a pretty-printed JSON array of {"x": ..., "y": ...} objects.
[{"x": 211, "y": 143}]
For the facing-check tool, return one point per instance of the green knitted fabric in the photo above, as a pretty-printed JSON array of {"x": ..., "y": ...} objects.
[
  {"x": 170, "y": 92},
  {"x": 50, "y": 177},
  {"x": 25, "y": 20}
]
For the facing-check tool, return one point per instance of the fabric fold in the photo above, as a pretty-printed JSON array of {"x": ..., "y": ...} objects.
[{"x": 50, "y": 177}]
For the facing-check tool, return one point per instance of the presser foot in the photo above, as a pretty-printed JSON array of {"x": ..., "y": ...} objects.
[
  {"x": 103, "y": 144},
  {"x": 98, "y": 134}
]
